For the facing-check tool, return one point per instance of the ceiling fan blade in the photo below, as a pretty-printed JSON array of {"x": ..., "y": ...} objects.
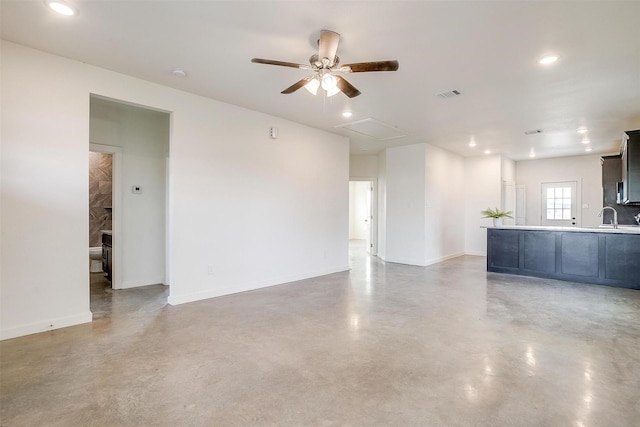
[
  {"x": 361, "y": 67},
  {"x": 280, "y": 63},
  {"x": 297, "y": 85},
  {"x": 346, "y": 87},
  {"x": 328, "y": 45}
]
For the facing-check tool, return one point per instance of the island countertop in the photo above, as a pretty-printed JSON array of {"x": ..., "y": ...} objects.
[
  {"x": 602, "y": 255},
  {"x": 605, "y": 228}
]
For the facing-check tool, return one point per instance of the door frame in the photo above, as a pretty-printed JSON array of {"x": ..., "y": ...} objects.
[
  {"x": 373, "y": 250},
  {"x": 116, "y": 212}
]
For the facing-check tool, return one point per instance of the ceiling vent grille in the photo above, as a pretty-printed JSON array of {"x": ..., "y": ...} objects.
[
  {"x": 533, "y": 132},
  {"x": 448, "y": 94}
]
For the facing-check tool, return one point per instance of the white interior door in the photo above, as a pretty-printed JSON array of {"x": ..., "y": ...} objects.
[
  {"x": 509, "y": 201},
  {"x": 559, "y": 204},
  {"x": 367, "y": 215},
  {"x": 362, "y": 212},
  {"x": 521, "y": 205}
]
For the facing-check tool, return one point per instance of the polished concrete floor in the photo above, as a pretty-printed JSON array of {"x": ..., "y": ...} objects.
[{"x": 382, "y": 345}]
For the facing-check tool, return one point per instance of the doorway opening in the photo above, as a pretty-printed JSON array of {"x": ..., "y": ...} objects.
[
  {"x": 362, "y": 218},
  {"x": 132, "y": 232}
]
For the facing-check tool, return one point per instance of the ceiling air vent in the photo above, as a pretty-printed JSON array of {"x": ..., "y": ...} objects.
[
  {"x": 533, "y": 132},
  {"x": 448, "y": 94}
]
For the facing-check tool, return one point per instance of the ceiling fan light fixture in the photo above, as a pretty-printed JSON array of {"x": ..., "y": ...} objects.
[
  {"x": 324, "y": 63},
  {"x": 332, "y": 91},
  {"x": 312, "y": 86},
  {"x": 329, "y": 82}
]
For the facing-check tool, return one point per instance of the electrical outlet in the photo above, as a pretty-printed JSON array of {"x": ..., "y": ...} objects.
[{"x": 210, "y": 269}]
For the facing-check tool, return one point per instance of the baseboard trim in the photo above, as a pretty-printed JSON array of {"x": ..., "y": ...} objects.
[
  {"x": 213, "y": 293},
  {"x": 45, "y": 325},
  {"x": 475, "y": 253},
  {"x": 138, "y": 283},
  {"x": 406, "y": 262},
  {"x": 423, "y": 263},
  {"x": 445, "y": 258}
]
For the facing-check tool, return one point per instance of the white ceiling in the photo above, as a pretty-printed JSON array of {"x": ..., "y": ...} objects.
[{"x": 486, "y": 50}]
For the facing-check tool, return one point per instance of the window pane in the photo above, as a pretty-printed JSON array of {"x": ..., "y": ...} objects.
[
  {"x": 558, "y": 214},
  {"x": 566, "y": 203},
  {"x": 550, "y": 213},
  {"x": 566, "y": 213},
  {"x": 558, "y": 193},
  {"x": 549, "y": 193},
  {"x": 566, "y": 192}
]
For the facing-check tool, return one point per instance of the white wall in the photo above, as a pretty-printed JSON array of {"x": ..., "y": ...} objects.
[
  {"x": 382, "y": 205},
  {"x": 585, "y": 170},
  {"x": 507, "y": 169},
  {"x": 424, "y": 220},
  {"x": 483, "y": 189},
  {"x": 405, "y": 201},
  {"x": 363, "y": 166},
  {"x": 144, "y": 137},
  {"x": 444, "y": 205},
  {"x": 260, "y": 211}
]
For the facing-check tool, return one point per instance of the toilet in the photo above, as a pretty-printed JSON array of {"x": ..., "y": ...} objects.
[{"x": 95, "y": 259}]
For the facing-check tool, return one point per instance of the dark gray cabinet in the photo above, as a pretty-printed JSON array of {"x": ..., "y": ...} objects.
[
  {"x": 107, "y": 254},
  {"x": 630, "y": 152},
  {"x": 588, "y": 257},
  {"x": 611, "y": 177}
]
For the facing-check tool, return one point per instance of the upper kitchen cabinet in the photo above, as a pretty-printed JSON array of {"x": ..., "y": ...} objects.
[
  {"x": 611, "y": 180},
  {"x": 630, "y": 152}
]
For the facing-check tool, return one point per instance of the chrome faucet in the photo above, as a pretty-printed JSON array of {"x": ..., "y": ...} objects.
[{"x": 615, "y": 215}]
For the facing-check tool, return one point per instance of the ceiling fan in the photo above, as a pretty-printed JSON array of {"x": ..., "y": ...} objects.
[{"x": 325, "y": 63}]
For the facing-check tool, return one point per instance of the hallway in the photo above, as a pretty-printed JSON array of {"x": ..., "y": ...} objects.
[{"x": 383, "y": 344}]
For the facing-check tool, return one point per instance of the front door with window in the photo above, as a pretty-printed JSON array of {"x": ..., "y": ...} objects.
[{"x": 559, "y": 204}]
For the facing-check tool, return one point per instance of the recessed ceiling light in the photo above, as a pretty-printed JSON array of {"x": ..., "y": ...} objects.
[
  {"x": 532, "y": 154},
  {"x": 179, "y": 72},
  {"x": 61, "y": 7},
  {"x": 588, "y": 149},
  {"x": 582, "y": 130},
  {"x": 487, "y": 151},
  {"x": 472, "y": 142},
  {"x": 347, "y": 114},
  {"x": 548, "y": 60},
  {"x": 586, "y": 141}
]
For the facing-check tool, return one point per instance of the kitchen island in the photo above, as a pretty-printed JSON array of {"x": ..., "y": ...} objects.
[{"x": 603, "y": 256}]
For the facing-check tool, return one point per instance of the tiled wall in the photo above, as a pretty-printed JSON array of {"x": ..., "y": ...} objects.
[{"x": 100, "y": 183}]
